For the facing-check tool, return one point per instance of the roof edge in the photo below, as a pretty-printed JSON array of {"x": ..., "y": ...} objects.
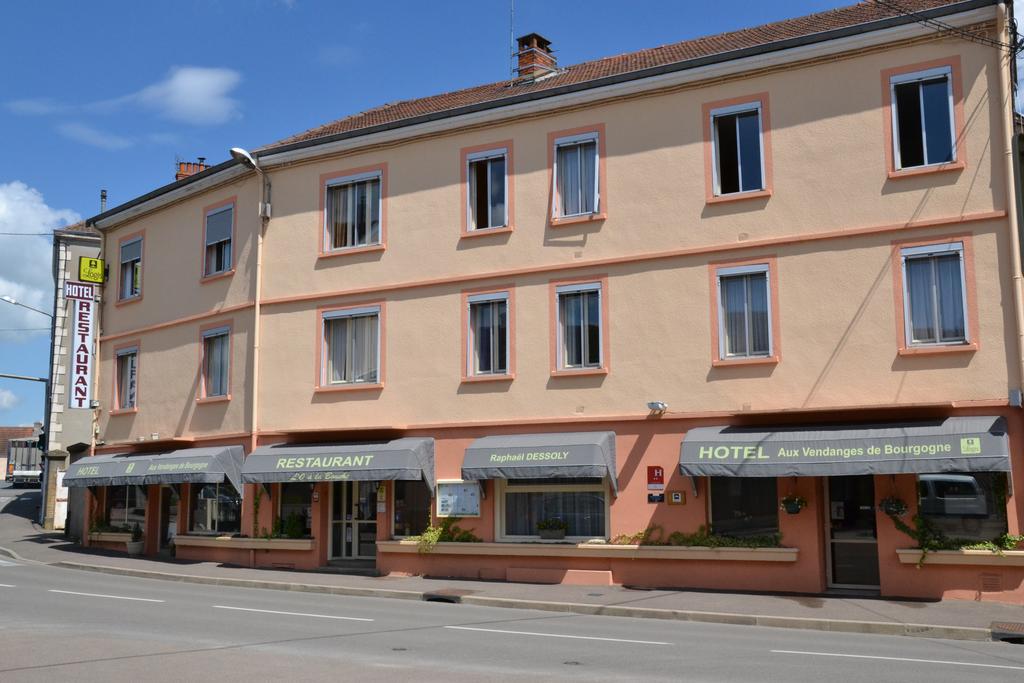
[{"x": 685, "y": 65}]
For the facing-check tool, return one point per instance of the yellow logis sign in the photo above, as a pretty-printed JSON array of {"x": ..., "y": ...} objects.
[{"x": 90, "y": 269}]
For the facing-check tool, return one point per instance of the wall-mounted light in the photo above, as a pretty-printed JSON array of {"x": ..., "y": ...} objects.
[{"x": 657, "y": 406}]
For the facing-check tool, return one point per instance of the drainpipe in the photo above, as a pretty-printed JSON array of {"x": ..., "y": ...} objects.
[
  {"x": 1009, "y": 166},
  {"x": 246, "y": 159}
]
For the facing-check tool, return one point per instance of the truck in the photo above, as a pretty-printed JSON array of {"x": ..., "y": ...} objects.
[{"x": 24, "y": 462}]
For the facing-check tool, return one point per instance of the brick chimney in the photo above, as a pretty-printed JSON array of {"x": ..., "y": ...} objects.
[
  {"x": 535, "y": 57},
  {"x": 187, "y": 168}
]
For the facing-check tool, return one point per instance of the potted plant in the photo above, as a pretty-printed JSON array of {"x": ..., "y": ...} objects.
[
  {"x": 793, "y": 504},
  {"x": 136, "y": 544},
  {"x": 552, "y": 529},
  {"x": 893, "y": 506}
]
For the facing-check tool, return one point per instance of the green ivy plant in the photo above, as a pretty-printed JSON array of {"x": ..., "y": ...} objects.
[
  {"x": 930, "y": 538},
  {"x": 256, "y": 511},
  {"x": 445, "y": 532},
  {"x": 655, "y": 535}
]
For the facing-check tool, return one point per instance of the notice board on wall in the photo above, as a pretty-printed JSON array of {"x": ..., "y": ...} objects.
[{"x": 458, "y": 499}]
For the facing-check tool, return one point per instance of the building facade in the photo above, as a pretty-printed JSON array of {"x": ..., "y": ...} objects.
[
  {"x": 664, "y": 305},
  {"x": 70, "y": 418}
]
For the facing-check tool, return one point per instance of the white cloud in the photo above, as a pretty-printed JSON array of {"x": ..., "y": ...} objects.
[
  {"x": 80, "y": 132},
  {"x": 25, "y": 269},
  {"x": 34, "y": 107},
  {"x": 193, "y": 94},
  {"x": 197, "y": 95},
  {"x": 7, "y": 399}
]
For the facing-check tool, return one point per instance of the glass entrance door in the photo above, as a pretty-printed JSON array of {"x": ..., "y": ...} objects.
[
  {"x": 852, "y": 537},
  {"x": 168, "y": 515},
  {"x": 354, "y": 520}
]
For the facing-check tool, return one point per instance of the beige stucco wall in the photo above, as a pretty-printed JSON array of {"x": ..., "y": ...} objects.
[{"x": 836, "y": 308}]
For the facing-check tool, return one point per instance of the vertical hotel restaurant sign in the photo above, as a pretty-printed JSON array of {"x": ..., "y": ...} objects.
[{"x": 83, "y": 324}]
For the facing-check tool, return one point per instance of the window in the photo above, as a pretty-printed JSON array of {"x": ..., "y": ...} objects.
[
  {"x": 412, "y": 508},
  {"x": 579, "y": 326},
  {"x": 352, "y": 346},
  {"x": 488, "y": 337},
  {"x": 934, "y": 294},
  {"x": 127, "y": 369},
  {"x": 131, "y": 269},
  {"x": 352, "y": 211},
  {"x": 580, "y": 503},
  {"x": 296, "y": 510},
  {"x": 217, "y": 235},
  {"x": 964, "y": 505},
  {"x": 744, "y": 312},
  {"x": 922, "y": 118},
  {"x": 215, "y": 508},
  {"x": 487, "y": 193},
  {"x": 126, "y": 506},
  {"x": 576, "y": 191},
  {"x": 744, "y": 506},
  {"x": 738, "y": 149},
  {"x": 216, "y": 362}
]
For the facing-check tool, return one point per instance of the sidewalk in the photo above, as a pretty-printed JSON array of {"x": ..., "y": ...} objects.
[{"x": 962, "y": 620}]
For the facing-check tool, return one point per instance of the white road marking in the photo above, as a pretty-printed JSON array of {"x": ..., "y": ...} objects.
[
  {"x": 99, "y": 595},
  {"x": 898, "y": 659},
  {"x": 290, "y": 614},
  {"x": 7, "y": 563},
  {"x": 6, "y": 585},
  {"x": 558, "y": 635}
]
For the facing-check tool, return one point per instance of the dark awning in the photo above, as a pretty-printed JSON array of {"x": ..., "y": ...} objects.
[
  {"x": 410, "y": 458},
  {"x": 191, "y": 465},
  {"x": 541, "y": 456},
  {"x": 953, "y": 444}
]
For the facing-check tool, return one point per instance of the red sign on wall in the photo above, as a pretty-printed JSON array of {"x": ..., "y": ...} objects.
[{"x": 655, "y": 478}]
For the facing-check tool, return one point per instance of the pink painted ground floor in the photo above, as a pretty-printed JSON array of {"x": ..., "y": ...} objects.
[{"x": 634, "y": 526}]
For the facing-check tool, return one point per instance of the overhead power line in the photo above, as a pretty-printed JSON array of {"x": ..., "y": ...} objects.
[
  {"x": 943, "y": 27},
  {"x": 29, "y": 234}
]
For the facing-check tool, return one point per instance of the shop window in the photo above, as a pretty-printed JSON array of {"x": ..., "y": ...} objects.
[
  {"x": 744, "y": 506},
  {"x": 967, "y": 505},
  {"x": 412, "y": 508},
  {"x": 126, "y": 506},
  {"x": 581, "y": 503},
  {"x": 296, "y": 510},
  {"x": 215, "y": 508}
]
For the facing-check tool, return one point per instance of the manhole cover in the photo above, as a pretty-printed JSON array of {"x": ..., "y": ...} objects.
[{"x": 1009, "y": 631}]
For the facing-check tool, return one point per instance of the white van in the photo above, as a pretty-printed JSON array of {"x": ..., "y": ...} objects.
[{"x": 953, "y": 495}]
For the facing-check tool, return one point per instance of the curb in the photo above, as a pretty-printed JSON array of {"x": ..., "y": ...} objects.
[
  {"x": 13, "y": 555},
  {"x": 831, "y": 625}
]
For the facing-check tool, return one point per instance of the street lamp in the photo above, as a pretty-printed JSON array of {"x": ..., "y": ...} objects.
[{"x": 11, "y": 300}]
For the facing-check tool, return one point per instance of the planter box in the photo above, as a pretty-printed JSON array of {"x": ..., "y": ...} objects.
[
  {"x": 234, "y": 543},
  {"x": 135, "y": 547},
  {"x": 583, "y": 550},
  {"x": 551, "y": 534},
  {"x": 110, "y": 536},
  {"x": 1009, "y": 558}
]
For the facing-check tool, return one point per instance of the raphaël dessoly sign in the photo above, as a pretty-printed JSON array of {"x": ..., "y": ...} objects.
[
  {"x": 537, "y": 456},
  {"x": 955, "y": 444}
]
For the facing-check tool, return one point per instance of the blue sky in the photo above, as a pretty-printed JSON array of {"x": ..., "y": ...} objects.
[{"x": 106, "y": 94}]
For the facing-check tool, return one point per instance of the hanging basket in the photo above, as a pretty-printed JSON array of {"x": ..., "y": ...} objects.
[
  {"x": 893, "y": 506},
  {"x": 792, "y": 504}
]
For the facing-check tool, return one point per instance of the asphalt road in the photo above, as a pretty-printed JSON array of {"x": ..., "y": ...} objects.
[{"x": 63, "y": 624}]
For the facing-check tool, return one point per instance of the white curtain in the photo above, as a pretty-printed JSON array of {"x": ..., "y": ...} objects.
[
  {"x": 126, "y": 380},
  {"x": 734, "y": 302},
  {"x": 951, "y": 298},
  {"x": 757, "y": 286},
  {"x": 497, "y": 199},
  {"x": 572, "y": 329},
  {"x": 569, "y": 180},
  {"x": 217, "y": 364},
  {"x": 588, "y": 158},
  {"x": 920, "y": 289},
  {"x": 352, "y": 349}
]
